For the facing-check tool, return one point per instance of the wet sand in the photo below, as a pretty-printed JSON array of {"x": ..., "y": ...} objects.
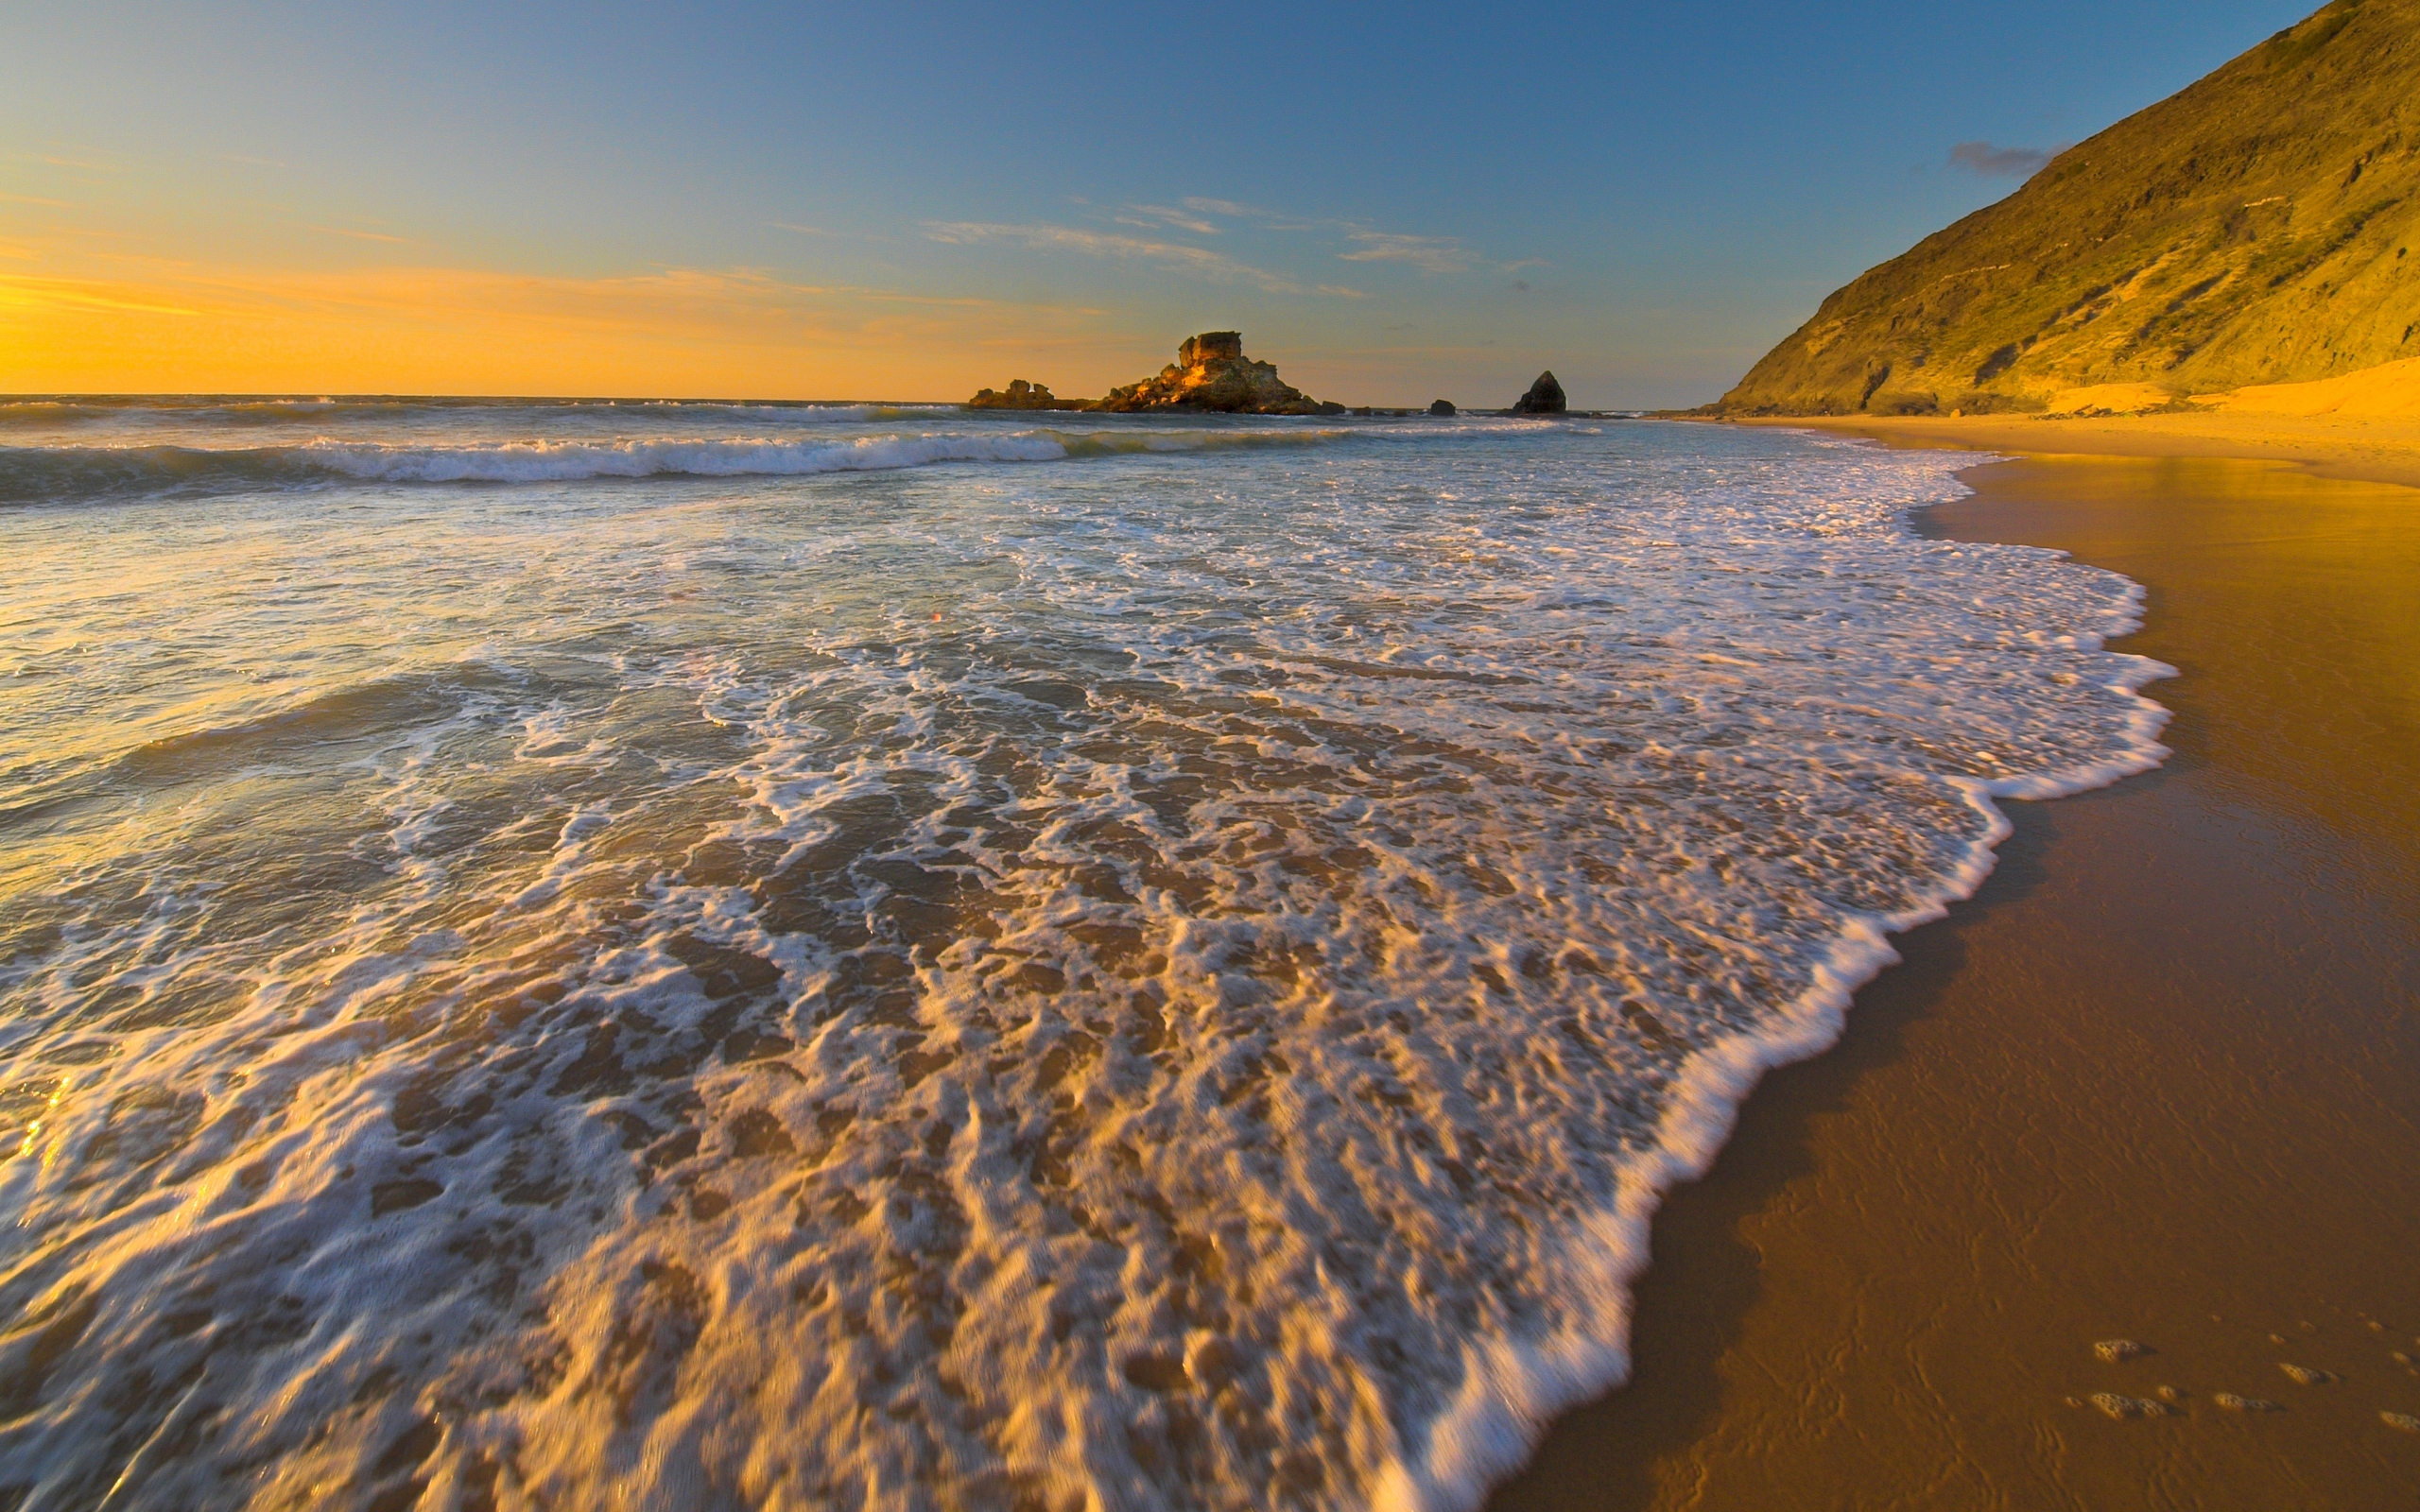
[
  {"x": 2159, "y": 1080},
  {"x": 2360, "y": 447}
]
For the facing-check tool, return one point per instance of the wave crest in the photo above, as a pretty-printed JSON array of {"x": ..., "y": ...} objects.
[{"x": 66, "y": 474}]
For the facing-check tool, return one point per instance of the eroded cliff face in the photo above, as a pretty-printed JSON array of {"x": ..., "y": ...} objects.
[
  {"x": 1211, "y": 373},
  {"x": 2256, "y": 227}
]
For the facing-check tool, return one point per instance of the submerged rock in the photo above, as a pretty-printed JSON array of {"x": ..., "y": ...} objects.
[
  {"x": 2303, "y": 1375},
  {"x": 1211, "y": 373},
  {"x": 2402, "y": 1422},
  {"x": 2124, "y": 1407},
  {"x": 2235, "y": 1403},
  {"x": 1544, "y": 398},
  {"x": 2116, "y": 1350},
  {"x": 1441, "y": 407}
]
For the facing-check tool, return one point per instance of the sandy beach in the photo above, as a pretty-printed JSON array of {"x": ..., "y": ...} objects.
[{"x": 2155, "y": 1082}]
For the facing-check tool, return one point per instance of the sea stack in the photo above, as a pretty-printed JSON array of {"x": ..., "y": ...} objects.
[
  {"x": 1441, "y": 407},
  {"x": 1544, "y": 398},
  {"x": 1211, "y": 373}
]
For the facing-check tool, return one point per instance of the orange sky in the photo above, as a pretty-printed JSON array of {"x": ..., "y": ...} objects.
[{"x": 73, "y": 321}]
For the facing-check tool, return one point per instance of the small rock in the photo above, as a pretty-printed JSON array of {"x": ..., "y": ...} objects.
[
  {"x": 2376, "y": 1326},
  {"x": 1544, "y": 398},
  {"x": 2170, "y": 1395},
  {"x": 2073, "y": 1402},
  {"x": 2125, "y": 1407},
  {"x": 2398, "y": 1357},
  {"x": 2119, "y": 1351},
  {"x": 2402, "y": 1422},
  {"x": 2235, "y": 1403},
  {"x": 1441, "y": 407},
  {"x": 2303, "y": 1375},
  {"x": 2276, "y": 1338}
]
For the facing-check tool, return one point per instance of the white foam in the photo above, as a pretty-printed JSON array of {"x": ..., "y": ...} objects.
[
  {"x": 559, "y": 461},
  {"x": 1137, "y": 983}
]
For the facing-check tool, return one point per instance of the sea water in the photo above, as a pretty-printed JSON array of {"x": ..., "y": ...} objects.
[{"x": 581, "y": 955}]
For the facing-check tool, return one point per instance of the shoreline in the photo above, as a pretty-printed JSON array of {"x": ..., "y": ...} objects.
[
  {"x": 1788, "y": 1333},
  {"x": 2352, "y": 448}
]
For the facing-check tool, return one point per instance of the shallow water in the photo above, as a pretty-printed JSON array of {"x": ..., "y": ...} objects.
[{"x": 717, "y": 955}]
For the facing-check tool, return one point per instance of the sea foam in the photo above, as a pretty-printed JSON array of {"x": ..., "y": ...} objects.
[{"x": 1173, "y": 981}]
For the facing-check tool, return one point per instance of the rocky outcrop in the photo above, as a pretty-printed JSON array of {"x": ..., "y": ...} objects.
[
  {"x": 1211, "y": 373},
  {"x": 1023, "y": 395},
  {"x": 2260, "y": 227},
  {"x": 1441, "y": 407},
  {"x": 1544, "y": 398}
]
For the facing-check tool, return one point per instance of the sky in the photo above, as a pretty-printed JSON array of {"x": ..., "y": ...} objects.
[{"x": 1393, "y": 204}]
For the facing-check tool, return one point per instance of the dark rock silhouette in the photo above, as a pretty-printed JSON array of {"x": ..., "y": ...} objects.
[
  {"x": 1023, "y": 395},
  {"x": 1544, "y": 398},
  {"x": 1443, "y": 406}
]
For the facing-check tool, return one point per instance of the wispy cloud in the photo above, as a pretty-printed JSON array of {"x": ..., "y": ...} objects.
[
  {"x": 359, "y": 236},
  {"x": 1430, "y": 254},
  {"x": 1999, "y": 162},
  {"x": 1163, "y": 215},
  {"x": 1221, "y": 207},
  {"x": 1202, "y": 262},
  {"x": 802, "y": 231}
]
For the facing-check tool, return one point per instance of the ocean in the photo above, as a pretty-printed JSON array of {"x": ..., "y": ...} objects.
[{"x": 698, "y": 955}]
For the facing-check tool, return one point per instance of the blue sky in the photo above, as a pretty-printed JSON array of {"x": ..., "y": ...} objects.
[{"x": 1393, "y": 204}]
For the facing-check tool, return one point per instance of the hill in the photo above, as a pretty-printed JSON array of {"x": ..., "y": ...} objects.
[{"x": 2256, "y": 228}]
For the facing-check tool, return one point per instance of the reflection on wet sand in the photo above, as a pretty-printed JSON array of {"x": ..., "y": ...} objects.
[{"x": 2156, "y": 1080}]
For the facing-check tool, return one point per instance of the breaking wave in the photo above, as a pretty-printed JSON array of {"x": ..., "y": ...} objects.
[{"x": 56, "y": 474}]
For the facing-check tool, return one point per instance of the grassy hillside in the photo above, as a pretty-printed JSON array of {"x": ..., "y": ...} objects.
[{"x": 2260, "y": 226}]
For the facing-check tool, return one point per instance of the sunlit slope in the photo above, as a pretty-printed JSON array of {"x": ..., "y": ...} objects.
[{"x": 2256, "y": 228}]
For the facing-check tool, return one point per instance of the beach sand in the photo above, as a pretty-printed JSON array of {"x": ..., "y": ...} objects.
[
  {"x": 2356, "y": 447},
  {"x": 2158, "y": 1081}
]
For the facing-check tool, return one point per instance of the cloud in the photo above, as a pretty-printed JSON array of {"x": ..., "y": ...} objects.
[
  {"x": 1998, "y": 162},
  {"x": 1430, "y": 254},
  {"x": 1175, "y": 256},
  {"x": 1163, "y": 215},
  {"x": 1222, "y": 207}
]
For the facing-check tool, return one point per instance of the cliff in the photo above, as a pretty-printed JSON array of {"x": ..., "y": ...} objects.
[{"x": 2256, "y": 228}]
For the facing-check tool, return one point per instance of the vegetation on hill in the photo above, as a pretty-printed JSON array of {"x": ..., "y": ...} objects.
[{"x": 2256, "y": 227}]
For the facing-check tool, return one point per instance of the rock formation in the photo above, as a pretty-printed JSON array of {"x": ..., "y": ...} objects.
[
  {"x": 2260, "y": 227},
  {"x": 1441, "y": 407},
  {"x": 1544, "y": 398},
  {"x": 1211, "y": 373},
  {"x": 1023, "y": 395}
]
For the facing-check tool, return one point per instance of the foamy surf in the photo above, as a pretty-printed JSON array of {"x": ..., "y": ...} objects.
[
  {"x": 1176, "y": 981},
  {"x": 80, "y": 474}
]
